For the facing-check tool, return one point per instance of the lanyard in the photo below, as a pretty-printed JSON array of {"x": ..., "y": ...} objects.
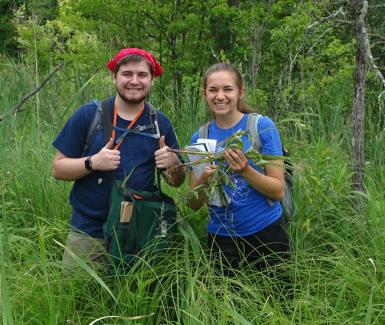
[{"x": 128, "y": 127}]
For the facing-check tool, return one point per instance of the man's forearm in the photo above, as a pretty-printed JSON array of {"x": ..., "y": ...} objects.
[{"x": 69, "y": 169}]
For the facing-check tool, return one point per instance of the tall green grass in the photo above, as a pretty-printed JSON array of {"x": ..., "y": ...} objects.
[{"x": 337, "y": 269}]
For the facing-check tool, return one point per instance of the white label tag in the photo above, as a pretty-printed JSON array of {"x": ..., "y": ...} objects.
[{"x": 210, "y": 143}]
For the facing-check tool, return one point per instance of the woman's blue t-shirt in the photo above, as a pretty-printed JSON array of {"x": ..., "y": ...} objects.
[
  {"x": 90, "y": 194},
  {"x": 249, "y": 210}
]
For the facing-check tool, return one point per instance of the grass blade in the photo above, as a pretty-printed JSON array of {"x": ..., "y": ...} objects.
[
  {"x": 5, "y": 301},
  {"x": 63, "y": 115},
  {"x": 368, "y": 316},
  {"x": 86, "y": 268}
]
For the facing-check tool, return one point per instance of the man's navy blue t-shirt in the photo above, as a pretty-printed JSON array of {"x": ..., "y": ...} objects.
[{"x": 90, "y": 194}]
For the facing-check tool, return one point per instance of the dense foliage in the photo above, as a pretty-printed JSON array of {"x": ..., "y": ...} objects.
[{"x": 291, "y": 56}]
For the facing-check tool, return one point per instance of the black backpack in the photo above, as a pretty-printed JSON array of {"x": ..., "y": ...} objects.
[
  {"x": 252, "y": 129},
  {"x": 102, "y": 121}
]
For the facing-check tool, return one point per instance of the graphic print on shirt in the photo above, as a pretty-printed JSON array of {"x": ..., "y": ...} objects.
[{"x": 239, "y": 189}]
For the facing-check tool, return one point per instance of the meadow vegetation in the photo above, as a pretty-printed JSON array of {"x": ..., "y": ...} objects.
[
  {"x": 337, "y": 269},
  {"x": 300, "y": 76}
]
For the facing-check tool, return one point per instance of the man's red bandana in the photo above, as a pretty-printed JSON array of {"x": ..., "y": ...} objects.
[{"x": 158, "y": 70}]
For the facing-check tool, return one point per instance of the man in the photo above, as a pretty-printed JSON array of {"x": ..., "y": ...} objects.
[{"x": 133, "y": 72}]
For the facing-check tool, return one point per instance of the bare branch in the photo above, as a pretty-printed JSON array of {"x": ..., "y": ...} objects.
[
  {"x": 367, "y": 49},
  {"x": 332, "y": 16},
  {"x": 343, "y": 21},
  {"x": 18, "y": 107},
  {"x": 377, "y": 6},
  {"x": 377, "y": 36}
]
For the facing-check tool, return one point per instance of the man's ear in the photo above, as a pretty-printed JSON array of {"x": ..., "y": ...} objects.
[
  {"x": 242, "y": 93},
  {"x": 203, "y": 93}
]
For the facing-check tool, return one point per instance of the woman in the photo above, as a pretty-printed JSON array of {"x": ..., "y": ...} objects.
[{"x": 251, "y": 226}]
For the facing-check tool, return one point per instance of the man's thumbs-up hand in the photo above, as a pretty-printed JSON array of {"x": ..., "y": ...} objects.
[
  {"x": 163, "y": 157},
  {"x": 107, "y": 158}
]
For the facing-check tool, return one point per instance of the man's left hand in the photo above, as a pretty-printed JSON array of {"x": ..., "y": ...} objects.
[{"x": 163, "y": 158}]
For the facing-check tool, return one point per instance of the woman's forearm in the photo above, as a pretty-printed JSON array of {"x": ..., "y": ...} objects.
[{"x": 271, "y": 184}]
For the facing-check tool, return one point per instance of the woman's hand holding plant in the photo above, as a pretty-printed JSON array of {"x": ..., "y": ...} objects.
[{"x": 236, "y": 160}]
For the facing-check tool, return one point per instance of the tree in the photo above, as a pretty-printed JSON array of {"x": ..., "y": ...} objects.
[
  {"x": 360, "y": 10},
  {"x": 8, "y": 43},
  {"x": 44, "y": 9},
  {"x": 364, "y": 58}
]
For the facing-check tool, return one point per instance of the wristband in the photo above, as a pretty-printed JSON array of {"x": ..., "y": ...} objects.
[{"x": 88, "y": 163}]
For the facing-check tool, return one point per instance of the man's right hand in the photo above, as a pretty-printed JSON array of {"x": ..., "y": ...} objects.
[{"x": 107, "y": 158}]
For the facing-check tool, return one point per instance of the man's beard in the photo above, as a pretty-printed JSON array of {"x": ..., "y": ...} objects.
[{"x": 132, "y": 101}]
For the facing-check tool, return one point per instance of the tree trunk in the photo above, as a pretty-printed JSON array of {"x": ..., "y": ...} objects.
[{"x": 359, "y": 100}]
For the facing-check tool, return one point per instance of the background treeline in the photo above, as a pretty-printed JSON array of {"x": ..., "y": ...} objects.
[
  {"x": 292, "y": 53},
  {"x": 299, "y": 60}
]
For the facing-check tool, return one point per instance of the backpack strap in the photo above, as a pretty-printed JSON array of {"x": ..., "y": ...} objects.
[
  {"x": 252, "y": 128},
  {"x": 107, "y": 125},
  {"x": 204, "y": 131},
  {"x": 100, "y": 121},
  {"x": 153, "y": 117}
]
